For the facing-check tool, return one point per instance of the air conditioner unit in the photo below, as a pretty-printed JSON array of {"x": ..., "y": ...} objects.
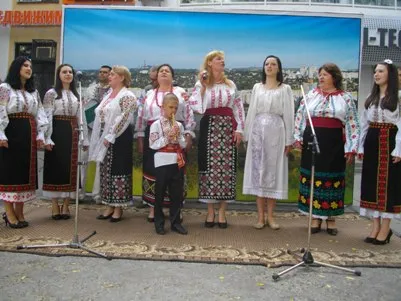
[{"x": 44, "y": 52}]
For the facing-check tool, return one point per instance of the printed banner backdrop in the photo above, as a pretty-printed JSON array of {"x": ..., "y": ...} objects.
[{"x": 140, "y": 39}]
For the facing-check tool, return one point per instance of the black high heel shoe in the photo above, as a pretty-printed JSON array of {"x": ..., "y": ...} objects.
[
  {"x": 317, "y": 229},
  {"x": 383, "y": 242},
  {"x": 210, "y": 224},
  {"x": 116, "y": 219},
  {"x": 331, "y": 231},
  {"x": 369, "y": 240},
  {"x": 17, "y": 225}
]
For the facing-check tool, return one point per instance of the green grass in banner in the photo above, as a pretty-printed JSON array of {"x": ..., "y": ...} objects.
[{"x": 192, "y": 176}]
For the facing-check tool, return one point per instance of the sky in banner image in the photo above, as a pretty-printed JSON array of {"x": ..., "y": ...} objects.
[
  {"x": 129, "y": 37},
  {"x": 139, "y": 39}
]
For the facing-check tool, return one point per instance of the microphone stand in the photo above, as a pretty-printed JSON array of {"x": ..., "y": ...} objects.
[
  {"x": 307, "y": 259},
  {"x": 75, "y": 242}
]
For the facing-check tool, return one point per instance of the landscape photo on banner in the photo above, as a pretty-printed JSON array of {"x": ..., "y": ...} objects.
[{"x": 140, "y": 38}]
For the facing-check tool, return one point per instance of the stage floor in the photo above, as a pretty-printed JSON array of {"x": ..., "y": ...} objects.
[{"x": 240, "y": 243}]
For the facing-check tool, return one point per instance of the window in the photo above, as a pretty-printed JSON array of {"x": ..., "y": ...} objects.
[{"x": 23, "y": 49}]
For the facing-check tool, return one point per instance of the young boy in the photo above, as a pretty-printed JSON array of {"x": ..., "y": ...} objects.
[{"x": 166, "y": 137}]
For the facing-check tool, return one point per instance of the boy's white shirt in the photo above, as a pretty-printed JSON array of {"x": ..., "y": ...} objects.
[{"x": 158, "y": 139}]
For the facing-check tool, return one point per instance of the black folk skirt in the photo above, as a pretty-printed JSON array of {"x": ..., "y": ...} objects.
[
  {"x": 18, "y": 162},
  {"x": 217, "y": 159},
  {"x": 381, "y": 178},
  {"x": 116, "y": 171},
  {"x": 329, "y": 181},
  {"x": 60, "y": 164}
]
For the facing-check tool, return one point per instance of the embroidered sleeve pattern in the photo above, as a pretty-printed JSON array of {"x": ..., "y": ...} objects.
[
  {"x": 364, "y": 131},
  {"x": 352, "y": 126},
  {"x": 190, "y": 123},
  {"x": 4, "y": 98},
  {"x": 41, "y": 120},
  {"x": 397, "y": 150},
  {"x": 48, "y": 106},
  {"x": 239, "y": 113},
  {"x": 300, "y": 121},
  {"x": 195, "y": 101},
  {"x": 140, "y": 124},
  {"x": 127, "y": 106},
  {"x": 156, "y": 138}
]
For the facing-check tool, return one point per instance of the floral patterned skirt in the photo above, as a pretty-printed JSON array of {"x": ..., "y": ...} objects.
[
  {"x": 116, "y": 172},
  {"x": 329, "y": 184},
  {"x": 217, "y": 159}
]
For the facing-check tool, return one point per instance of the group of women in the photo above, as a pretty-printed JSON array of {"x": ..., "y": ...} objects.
[{"x": 269, "y": 129}]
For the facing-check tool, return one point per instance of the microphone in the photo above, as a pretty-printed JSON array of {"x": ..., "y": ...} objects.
[{"x": 79, "y": 75}]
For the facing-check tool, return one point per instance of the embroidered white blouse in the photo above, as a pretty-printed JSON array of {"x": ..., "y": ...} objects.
[
  {"x": 19, "y": 101},
  {"x": 113, "y": 116},
  {"x": 339, "y": 105},
  {"x": 219, "y": 96},
  {"x": 150, "y": 110},
  {"x": 278, "y": 101},
  {"x": 377, "y": 114},
  {"x": 68, "y": 105},
  {"x": 158, "y": 138}
]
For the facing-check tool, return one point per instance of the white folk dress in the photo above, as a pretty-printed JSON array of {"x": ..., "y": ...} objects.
[{"x": 268, "y": 130}]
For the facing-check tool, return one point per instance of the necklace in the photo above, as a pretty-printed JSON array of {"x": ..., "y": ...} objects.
[{"x": 157, "y": 92}]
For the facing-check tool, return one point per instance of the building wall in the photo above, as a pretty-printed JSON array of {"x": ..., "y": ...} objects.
[
  {"x": 20, "y": 34},
  {"x": 4, "y": 41}
]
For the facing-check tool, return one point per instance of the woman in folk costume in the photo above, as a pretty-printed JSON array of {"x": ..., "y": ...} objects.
[
  {"x": 111, "y": 144},
  {"x": 335, "y": 118},
  {"x": 269, "y": 129},
  {"x": 150, "y": 111},
  {"x": 380, "y": 148},
  {"x": 221, "y": 128},
  {"x": 62, "y": 108},
  {"x": 22, "y": 126}
]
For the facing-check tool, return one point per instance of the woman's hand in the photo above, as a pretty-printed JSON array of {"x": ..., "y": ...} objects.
[
  {"x": 106, "y": 143},
  {"x": 40, "y": 144},
  {"x": 360, "y": 156},
  {"x": 287, "y": 150},
  {"x": 298, "y": 145},
  {"x": 203, "y": 78},
  {"x": 188, "y": 140},
  {"x": 396, "y": 159},
  {"x": 49, "y": 147},
  {"x": 237, "y": 139},
  {"x": 139, "y": 145},
  {"x": 349, "y": 158},
  {"x": 4, "y": 143},
  {"x": 185, "y": 96}
]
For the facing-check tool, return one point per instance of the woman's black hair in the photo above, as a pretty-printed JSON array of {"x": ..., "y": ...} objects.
[
  {"x": 59, "y": 85},
  {"x": 279, "y": 77},
  {"x": 14, "y": 78},
  {"x": 166, "y": 65},
  {"x": 390, "y": 100}
]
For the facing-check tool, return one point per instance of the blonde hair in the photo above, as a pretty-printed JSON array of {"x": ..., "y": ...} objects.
[
  {"x": 205, "y": 66},
  {"x": 124, "y": 72},
  {"x": 170, "y": 97}
]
